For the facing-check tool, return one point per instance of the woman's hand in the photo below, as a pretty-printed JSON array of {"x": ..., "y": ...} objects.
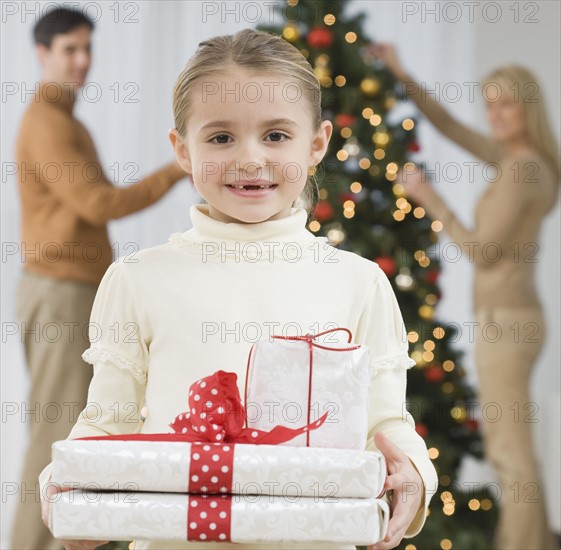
[
  {"x": 416, "y": 184},
  {"x": 388, "y": 54},
  {"x": 407, "y": 492},
  {"x": 52, "y": 490}
]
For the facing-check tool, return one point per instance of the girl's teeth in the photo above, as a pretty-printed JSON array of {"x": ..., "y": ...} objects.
[{"x": 260, "y": 186}]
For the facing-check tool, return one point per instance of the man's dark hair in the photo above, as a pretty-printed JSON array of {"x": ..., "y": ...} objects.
[{"x": 59, "y": 21}]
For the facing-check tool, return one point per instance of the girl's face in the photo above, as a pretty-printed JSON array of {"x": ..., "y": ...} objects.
[{"x": 249, "y": 130}]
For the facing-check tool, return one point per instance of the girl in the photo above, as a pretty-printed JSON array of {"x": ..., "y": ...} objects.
[
  {"x": 503, "y": 247},
  {"x": 248, "y": 128}
]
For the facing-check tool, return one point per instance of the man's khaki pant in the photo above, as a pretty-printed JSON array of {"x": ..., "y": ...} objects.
[
  {"x": 53, "y": 315},
  {"x": 507, "y": 344}
]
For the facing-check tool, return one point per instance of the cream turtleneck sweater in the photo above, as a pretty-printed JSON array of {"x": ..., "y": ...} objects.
[{"x": 171, "y": 314}]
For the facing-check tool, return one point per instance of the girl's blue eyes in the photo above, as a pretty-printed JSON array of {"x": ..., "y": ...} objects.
[{"x": 212, "y": 140}]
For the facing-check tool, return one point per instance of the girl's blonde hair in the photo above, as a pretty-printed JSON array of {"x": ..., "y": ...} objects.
[
  {"x": 523, "y": 85},
  {"x": 258, "y": 52}
]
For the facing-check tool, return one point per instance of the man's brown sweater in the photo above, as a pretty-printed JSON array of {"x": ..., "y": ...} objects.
[{"x": 66, "y": 199}]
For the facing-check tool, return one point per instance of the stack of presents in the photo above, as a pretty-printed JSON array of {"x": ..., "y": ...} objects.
[{"x": 285, "y": 464}]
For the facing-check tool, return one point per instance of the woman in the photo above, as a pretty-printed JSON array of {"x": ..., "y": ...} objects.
[{"x": 503, "y": 246}]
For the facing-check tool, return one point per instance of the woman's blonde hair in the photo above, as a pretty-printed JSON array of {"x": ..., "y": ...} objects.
[
  {"x": 523, "y": 85},
  {"x": 258, "y": 52}
]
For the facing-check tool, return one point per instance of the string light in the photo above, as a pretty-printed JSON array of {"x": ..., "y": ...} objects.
[
  {"x": 392, "y": 168},
  {"x": 474, "y": 504},
  {"x": 329, "y": 19},
  {"x": 438, "y": 332},
  {"x": 398, "y": 216},
  {"x": 448, "y": 365},
  {"x": 419, "y": 212},
  {"x": 408, "y": 124},
  {"x": 436, "y": 226},
  {"x": 428, "y": 356},
  {"x": 340, "y": 80},
  {"x": 429, "y": 345},
  {"x": 314, "y": 226}
]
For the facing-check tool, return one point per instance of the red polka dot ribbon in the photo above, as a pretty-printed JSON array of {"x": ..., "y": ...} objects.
[{"x": 209, "y": 517}]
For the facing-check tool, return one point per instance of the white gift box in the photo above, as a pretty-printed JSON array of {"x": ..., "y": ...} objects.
[
  {"x": 94, "y": 515},
  {"x": 278, "y": 385},
  {"x": 166, "y": 466}
]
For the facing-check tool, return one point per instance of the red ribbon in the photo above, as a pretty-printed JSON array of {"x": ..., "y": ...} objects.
[{"x": 311, "y": 344}]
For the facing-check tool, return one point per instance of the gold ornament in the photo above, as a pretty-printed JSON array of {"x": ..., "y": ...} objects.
[
  {"x": 291, "y": 33},
  {"x": 370, "y": 86}
]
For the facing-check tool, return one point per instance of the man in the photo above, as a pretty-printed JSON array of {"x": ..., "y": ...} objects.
[{"x": 66, "y": 203}]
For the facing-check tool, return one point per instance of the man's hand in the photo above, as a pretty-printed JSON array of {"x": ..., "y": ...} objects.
[
  {"x": 52, "y": 491},
  {"x": 407, "y": 492}
]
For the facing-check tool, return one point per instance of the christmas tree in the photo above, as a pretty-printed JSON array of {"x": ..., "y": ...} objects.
[{"x": 363, "y": 209}]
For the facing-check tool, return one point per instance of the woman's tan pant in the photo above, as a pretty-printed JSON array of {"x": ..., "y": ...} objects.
[
  {"x": 52, "y": 314},
  {"x": 507, "y": 344}
]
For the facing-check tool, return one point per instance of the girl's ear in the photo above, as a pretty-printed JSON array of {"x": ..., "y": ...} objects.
[
  {"x": 320, "y": 142},
  {"x": 181, "y": 150}
]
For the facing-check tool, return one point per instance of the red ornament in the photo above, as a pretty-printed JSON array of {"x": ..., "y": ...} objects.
[
  {"x": 347, "y": 197},
  {"x": 472, "y": 425},
  {"x": 323, "y": 211},
  {"x": 422, "y": 429},
  {"x": 432, "y": 276},
  {"x": 344, "y": 119},
  {"x": 434, "y": 374},
  {"x": 387, "y": 264},
  {"x": 320, "y": 37},
  {"x": 414, "y": 147}
]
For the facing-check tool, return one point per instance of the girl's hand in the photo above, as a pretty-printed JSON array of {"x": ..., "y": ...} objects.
[
  {"x": 52, "y": 490},
  {"x": 407, "y": 488},
  {"x": 388, "y": 54},
  {"x": 416, "y": 185}
]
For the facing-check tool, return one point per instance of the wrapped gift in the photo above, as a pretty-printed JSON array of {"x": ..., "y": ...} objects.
[
  {"x": 183, "y": 467},
  {"x": 92, "y": 515},
  {"x": 293, "y": 381}
]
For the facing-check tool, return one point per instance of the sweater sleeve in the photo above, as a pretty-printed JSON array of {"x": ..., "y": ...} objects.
[
  {"x": 499, "y": 212},
  {"x": 119, "y": 355},
  {"x": 381, "y": 327},
  {"x": 479, "y": 144},
  {"x": 77, "y": 180}
]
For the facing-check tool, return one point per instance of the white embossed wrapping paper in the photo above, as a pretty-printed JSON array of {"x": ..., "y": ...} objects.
[
  {"x": 257, "y": 469},
  {"x": 93, "y": 515},
  {"x": 277, "y": 391}
]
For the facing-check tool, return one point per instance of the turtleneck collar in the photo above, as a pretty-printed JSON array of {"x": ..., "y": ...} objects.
[
  {"x": 57, "y": 94},
  {"x": 289, "y": 228}
]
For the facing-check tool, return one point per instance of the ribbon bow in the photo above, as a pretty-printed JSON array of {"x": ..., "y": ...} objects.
[{"x": 216, "y": 414}]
